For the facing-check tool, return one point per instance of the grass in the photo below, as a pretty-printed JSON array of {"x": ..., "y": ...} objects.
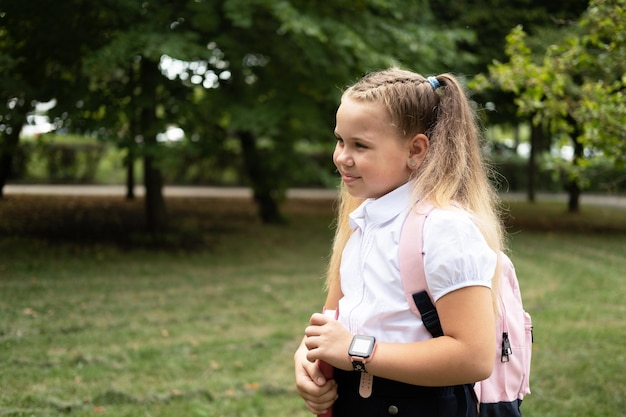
[
  {"x": 573, "y": 286},
  {"x": 95, "y": 322}
]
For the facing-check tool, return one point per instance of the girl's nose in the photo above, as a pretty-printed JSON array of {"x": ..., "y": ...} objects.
[{"x": 342, "y": 157}]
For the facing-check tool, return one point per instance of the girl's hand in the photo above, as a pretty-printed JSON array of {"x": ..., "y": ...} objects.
[
  {"x": 326, "y": 339},
  {"x": 318, "y": 393}
]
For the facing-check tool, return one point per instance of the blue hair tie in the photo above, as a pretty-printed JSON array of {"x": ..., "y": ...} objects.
[{"x": 434, "y": 82}]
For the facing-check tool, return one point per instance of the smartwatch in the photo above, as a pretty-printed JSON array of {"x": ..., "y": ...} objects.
[{"x": 361, "y": 351}]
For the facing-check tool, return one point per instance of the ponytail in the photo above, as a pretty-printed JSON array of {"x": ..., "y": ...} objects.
[{"x": 454, "y": 169}]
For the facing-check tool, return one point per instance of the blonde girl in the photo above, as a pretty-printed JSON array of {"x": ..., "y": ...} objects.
[{"x": 402, "y": 138}]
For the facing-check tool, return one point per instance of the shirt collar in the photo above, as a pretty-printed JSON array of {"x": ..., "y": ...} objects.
[{"x": 382, "y": 209}]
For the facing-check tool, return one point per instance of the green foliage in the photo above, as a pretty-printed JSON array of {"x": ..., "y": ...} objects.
[
  {"x": 273, "y": 70},
  {"x": 281, "y": 66},
  {"x": 576, "y": 87},
  {"x": 492, "y": 20},
  {"x": 64, "y": 161},
  {"x": 268, "y": 70},
  {"x": 600, "y": 175}
]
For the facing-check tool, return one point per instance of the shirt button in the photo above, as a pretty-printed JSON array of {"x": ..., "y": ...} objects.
[{"x": 392, "y": 410}]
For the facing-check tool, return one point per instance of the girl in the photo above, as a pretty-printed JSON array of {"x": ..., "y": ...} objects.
[{"x": 402, "y": 138}]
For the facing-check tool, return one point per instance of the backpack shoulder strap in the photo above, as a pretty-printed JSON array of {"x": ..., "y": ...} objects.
[{"x": 411, "y": 264}]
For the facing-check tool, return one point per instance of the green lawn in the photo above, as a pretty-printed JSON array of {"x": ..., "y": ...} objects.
[
  {"x": 573, "y": 285},
  {"x": 119, "y": 329}
]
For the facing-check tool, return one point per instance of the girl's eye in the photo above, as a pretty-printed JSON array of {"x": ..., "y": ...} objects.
[{"x": 360, "y": 145}]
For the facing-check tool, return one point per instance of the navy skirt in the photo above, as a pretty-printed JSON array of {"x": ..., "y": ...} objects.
[{"x": 392, "y": 398}]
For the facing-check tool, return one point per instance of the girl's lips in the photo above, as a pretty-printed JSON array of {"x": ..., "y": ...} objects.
[{"x": 348, "y": 178}]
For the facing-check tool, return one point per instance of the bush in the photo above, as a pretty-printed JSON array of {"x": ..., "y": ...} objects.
[
  {"x": 71, "y": 159},
  {"x": 47, "y": 160},
  {"x": 601, "y": 176}
]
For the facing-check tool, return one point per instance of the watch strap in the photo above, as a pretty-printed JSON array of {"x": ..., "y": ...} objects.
[
  {"x": 365, "y": 386},
  {"x": 358, "y": 364}
]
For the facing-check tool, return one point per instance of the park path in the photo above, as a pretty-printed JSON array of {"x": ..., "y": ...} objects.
[
  {"x": 168, "y": 191},
  {"x": 617, "y": 201}
]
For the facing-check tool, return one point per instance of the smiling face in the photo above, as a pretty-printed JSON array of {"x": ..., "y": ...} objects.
[{"x": 370, "y": 155}]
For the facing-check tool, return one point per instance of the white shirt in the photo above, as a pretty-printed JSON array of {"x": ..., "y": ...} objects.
[{"x": 373, "y": 302}]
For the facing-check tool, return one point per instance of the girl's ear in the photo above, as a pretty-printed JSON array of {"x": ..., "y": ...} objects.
[{"x": 418, "y": 148}]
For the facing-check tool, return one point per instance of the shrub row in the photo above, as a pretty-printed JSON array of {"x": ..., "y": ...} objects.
[{"x": 49, "y": 162}]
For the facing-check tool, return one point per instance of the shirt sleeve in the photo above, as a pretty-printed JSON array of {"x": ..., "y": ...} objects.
[{"x": 456, "y": 254}]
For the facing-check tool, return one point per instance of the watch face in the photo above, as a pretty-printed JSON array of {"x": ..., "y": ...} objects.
[{"x": 362, "y": 346}]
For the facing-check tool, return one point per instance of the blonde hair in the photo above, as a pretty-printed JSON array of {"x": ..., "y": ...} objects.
[{"x": 453, "y": 170}]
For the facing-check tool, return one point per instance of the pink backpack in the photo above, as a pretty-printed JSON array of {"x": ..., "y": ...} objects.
[{"x": 501, "y": 394}]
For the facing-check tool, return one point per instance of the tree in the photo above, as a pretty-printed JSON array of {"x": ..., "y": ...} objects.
[
  {"x": 101, "y": 63},
  {"x": 280, "y": 67},
  {"x": 41, "y": 44},
  {"x": 266, "y": 73},
  {"x": 491, "y": 21},
  {"x": 576, "y": 89},
  {"x": 130, "y": 98}
]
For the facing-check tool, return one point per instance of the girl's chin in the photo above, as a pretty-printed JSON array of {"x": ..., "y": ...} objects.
[{"x": 358, "y": 193}]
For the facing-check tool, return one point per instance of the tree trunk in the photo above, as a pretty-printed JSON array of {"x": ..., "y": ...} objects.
[
  {"x": 537, "y": 137},
  {"x": 573, "y": 187},
  {"x": 7, "y": 150},
  {"x": 265, "y": 195},
  {"x": 8, "y": 147},
  {"x": 156, "y": 214},
  {"x": 573, "y": 197},
  {"x": 133, "y": 121},
  {"x": 130, "y": 173}
]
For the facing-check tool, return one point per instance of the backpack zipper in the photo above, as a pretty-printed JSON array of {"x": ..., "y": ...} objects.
[{"x": 506, "y": 348}]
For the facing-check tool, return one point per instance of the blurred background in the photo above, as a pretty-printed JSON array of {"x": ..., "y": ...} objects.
[{"x": 243, "y": 93}]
